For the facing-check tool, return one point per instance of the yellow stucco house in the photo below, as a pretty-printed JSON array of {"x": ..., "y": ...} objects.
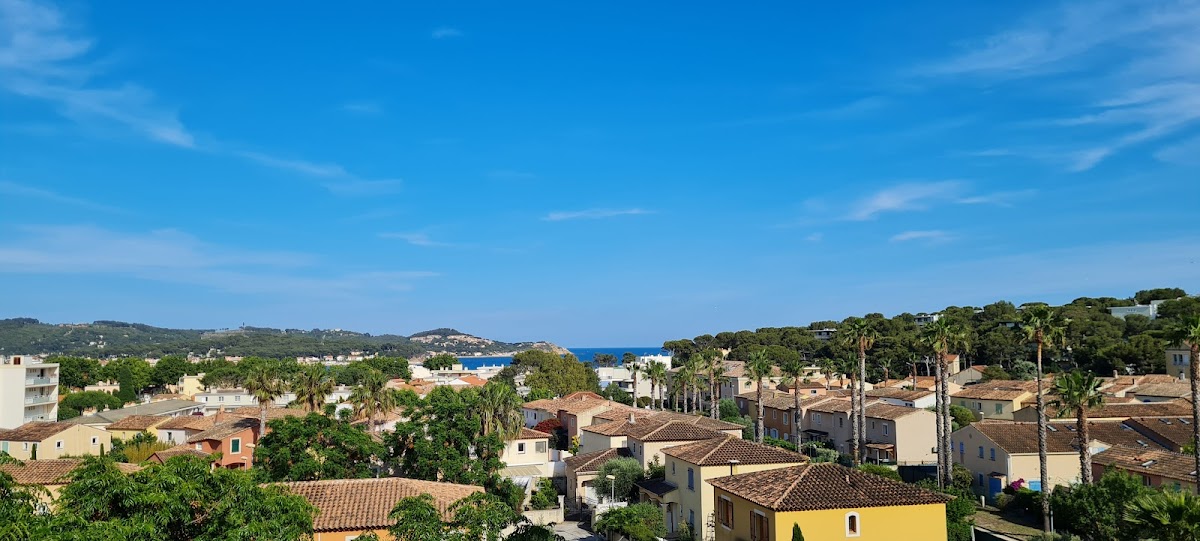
[
  {"x": 997, "y": 399},
  {"x": 53, "y": 440},
  {"x": 827, "y": 502},
  {"x": 129, "y": 427}
]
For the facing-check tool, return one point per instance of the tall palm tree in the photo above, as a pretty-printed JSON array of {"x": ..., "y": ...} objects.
[
  {"x": 716, "y": 375},
  {"x": 828, "y": 367},
  {"x": 793, "y": 374},
  {"x": 500, "y": 410},
  {"x": 1042, "y": 326},
  {"x": 656, "y": 372},
  {"x": 1187, "y": 332},
  {"x": 265, "y": 387},
  {"x": 634, "y": 370},
  {"x": 759, "y": 368},
  {"x": 372, "y": 397},
  {"x": 312, "y": 385},
  {"x": 858, "y": 333},
  {"x": 1077, "y": 392},
  {"x": 941, "y": 337},
  {"x": 685, "y": 377}
]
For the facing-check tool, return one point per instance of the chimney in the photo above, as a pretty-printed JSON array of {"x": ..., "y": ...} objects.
[
  {"x": 1114, "y": 373},
  {"x": 632, "y": 418}
]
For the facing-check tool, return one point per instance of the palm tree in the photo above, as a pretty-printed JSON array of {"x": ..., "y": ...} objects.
[
  {"x": 793, "y": 374},
  {"x": 265, "y": 387},
  {"x": 684, "y": 378},
  {"x": 656, "y": 372},
  {"x": 1077, "y": 392},
  {"x": 634, "y": 370},
  {"x": 716, "y": 374},
  {"x": 828, "y": 367},
  {"x": 1187, "y": 332},
  {"x": 372, "y": 397},
  {"x": 500, "y": 410},
  {"x": 1166, "y": 516},
  {"x": 859, "y": 334},
  {"x": 759, "y": 368},
  {"x": 941, "y": 337},
  {"x": 312, "y": 385},
  {"x": 1042, "y": 326}
]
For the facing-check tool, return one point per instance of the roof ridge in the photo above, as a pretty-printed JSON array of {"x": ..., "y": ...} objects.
[
  {"x": 804, "y": 469},
  {"x": 714, "y": 449}
]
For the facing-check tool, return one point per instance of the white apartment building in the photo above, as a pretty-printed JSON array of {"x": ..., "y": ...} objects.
[
  {"x": 228, "y": 399},
  {"x": 28, "y": 391}
]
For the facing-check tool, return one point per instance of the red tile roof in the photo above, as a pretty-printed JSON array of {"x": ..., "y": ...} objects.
[
  {"x": 813, "y": 487},
  {"x": 364, "y": 504}
]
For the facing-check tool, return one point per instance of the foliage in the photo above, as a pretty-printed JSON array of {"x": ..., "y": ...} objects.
[
  {"x": 441, "y": 361},
  {"x": 136, "y": 372},
  {"x": 264, "y": 385},
  {"x": 137, "y": 449},
  {"x": 183, "y": 499},
  {"x": 76, "y": 372},
  {"x": 961, "y": 416},
  {"x": 626, "y": 472},
  {"x": 1094, "y": 511},
  {"x": 604, "y": 360},
  {"x": 478, "y": 517},
  {"x": 1166, "y": 516},
  {"x": 481, "y": 517},
  {"x": 417, "y": 519},
  {"x": 545, "y": 496},
  {"x": 312, "y": 385},
  {"x": 797, "y": 535},
  {"x": 617, "y": 394},
  {"x": 784, "y": 444},
  {"x": 638, "y": 522},
  {"x": 128, "y": 390},
  {"x": 500, "y": 410},
  {"x": 19, "y": 517},
  {"x": 440, "y": 440},
  {"x": 528, "y": 531},
  {"x": 372, "y": 398},
  {"x": 1163, "y": 293},
  {"x": 656, "y": 469},
  {"x": 728, "y": 409},
  {"x": 562, "y": 375},
  {"x": 553, "y": 427},
  {"x": 315, "y": 447},
  {"x": 995, "y": 371},
  {"x": 881, "y": 471},
  {"x": 169, "y": 369},
  {"x": 84, "y": 400}
]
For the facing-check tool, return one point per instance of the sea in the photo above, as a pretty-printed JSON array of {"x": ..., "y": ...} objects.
[{"x": 584, "y": 354}]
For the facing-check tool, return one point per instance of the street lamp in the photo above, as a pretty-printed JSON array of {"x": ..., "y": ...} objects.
[
  {"x": 612, "y": 488},
  {"x": 733, "y": 462}
]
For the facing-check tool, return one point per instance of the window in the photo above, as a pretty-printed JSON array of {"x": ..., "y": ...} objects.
[
  {"x": 3, "y": 447},
  {"x": 852, "y": 525},
  {"x": 672, "y": 467},
  {"x": 220, "y": 399},
  {"x": 841, "y": 422},
  {"x": 539, "y": 447},
  {"x": 692, "y": 519},
  {"x": 980, "y": 451},
  {"x": 885, "y": 429},
  {"x": 235, "y": 445},
  {"x": 58, "y": 444},
  {"x": 817, "y": 418},
  {"x": 1146, "y": 480},
  {"x": 872, "y": 425},
  {"x": 691, "y": 480},
  {"x": 521, "y": 448},
  {"x": 774, "y": 414},
  {"x": 758, "y": 527},
  {"x": 785, "y": 419},
  {"x": 95, "y": 441},
  {"x": 237, "y": 398},
  {"x": 24, "y": 446},
  {"x": 999, "y": 409},
  {"x": 993, "y": 454},
  {"x": 199, "y": 447},
  {"x": 725, "y": 512},
  {"x": 980, "y": 480}
]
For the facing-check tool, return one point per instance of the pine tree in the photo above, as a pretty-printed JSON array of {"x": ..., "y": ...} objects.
[{"x": 797, "y": 535}]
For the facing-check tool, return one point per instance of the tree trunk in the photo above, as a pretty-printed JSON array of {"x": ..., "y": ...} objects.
[
  {"x": 635, "y": 404},
  {"x": 1193, "y": 375},
  {"x": 760, "y": 412},
  {"x": 796, "y": 418},
  {"x": 653, "y": 388},
  {"x": 262, "y": 419},
  {"x": 947, "y": 427},
  {"x": 862, "y": 399},
  {"x": 941, "y": 429},
  {"x": 715, "y": 399},
  {"x": 1085, "y": 453},
  {"x": 1042, "y": 459},
  {"x": 854, "y": 427}
]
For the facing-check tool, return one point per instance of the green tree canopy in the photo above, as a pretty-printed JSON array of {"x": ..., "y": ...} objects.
[
  {"x": 440, "y": 361},
  {"x": 638, "y": 522},
  {"x": 626, "y": 472},
  {"x": 316, "y": 447}
]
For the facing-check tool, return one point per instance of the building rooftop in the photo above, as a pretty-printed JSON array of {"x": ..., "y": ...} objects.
[
  {"x": 591, "y": 462},
  {"x": 35, "y": 431},
  {"x": 1176, "y": 431},
  {"x": 189, "y": 422},
  {"x": 1021, "y": 437},
  {"x": 1163, "y": 390},
  {"x": 272, "y": 412},
  {"x": 224, "y": 430},
  {"x": 137, "y": 422},
  {"x": 1111, "y": 432},
  {"x": 719, "y": 451},
  {"x": 162, "y": 407},
  {"x": 673, "y": 430},
  {"x": 814, "y": 487},
  {"x": 364, "y": 504},
  {"x": 1152, "y": 461},
  {"x": 898, "y": 393},
  {"x": 51, "y": 471},
  {"x": 530, "y": 434},
  {"x": 1174, "y": 408}
]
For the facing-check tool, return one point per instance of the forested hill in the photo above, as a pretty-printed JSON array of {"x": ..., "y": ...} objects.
[
  {"x": 115, "y": 338},
  {"x": 1097, "y": 340}
]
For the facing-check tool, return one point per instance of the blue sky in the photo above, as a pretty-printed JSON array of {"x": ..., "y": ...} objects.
[{"x": 591, "y": 174}]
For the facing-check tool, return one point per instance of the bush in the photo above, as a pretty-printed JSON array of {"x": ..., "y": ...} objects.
[
  {"x": 1095, "y": 511},
  {"x": 1028, "y": 502},
  {"x": 881, "y": 471},
  {"x": 779, "y": 443},
  {"x": 545, "y": 496},
  {"x": 1003, "y": 500}
]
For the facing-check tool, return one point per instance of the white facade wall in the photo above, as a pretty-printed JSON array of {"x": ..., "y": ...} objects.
[{"x": 28, "y": 391}]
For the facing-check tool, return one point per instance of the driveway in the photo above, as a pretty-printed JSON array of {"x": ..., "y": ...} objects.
[{"x": 572, "y": 532}]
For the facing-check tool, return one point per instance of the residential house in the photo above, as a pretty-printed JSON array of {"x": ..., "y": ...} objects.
[
  {"x": 968, "y": 375},
  {"x": 894, "y": 434},
  {"x": 28, "y": 390},
  {"x": 348, "y": 508},
  {"x": 179, "y": 429},
  {"x": 574, "y": 411},
  {"x": 188, "y": 385},
  {"x": 608, "y": 433},
  {"x": 233, "y": 439},
  {"x": 647, "y": 441},
  {"x": 1179, "y": 361},
  {"x": 1156, "y": 468},
  {"x": 826, "y": 501},
  {"x": 1111, "y": 412},
  {"x": 903, "y": 397},
  {"x": 47, "y": 440},
  {"x": 1170, "y": 432},
  {"x": 129, "y": 427},
  {"x": 526, "y": 457},
  {"x": 778, "y": 415},
  {"x": 582, "y": 470},
  {"x": 161, "y": 457},
  {"x": 51, "y": 474},
  {"x": 1162, "y": 392},
  {"x": 162, "y": 408},
  {"x": 107, "y": 387},
  {"x": 737, "y": 381},
  {"x": 623, "y": 379},
  {"x": 996, "y": 399},
  {"x": 469, "y": 380},
  {"x": 685, "y": 494},
  {"x": 921, "y": 383}
]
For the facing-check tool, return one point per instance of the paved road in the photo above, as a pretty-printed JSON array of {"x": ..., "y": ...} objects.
[{"x": 572, "y": 532}]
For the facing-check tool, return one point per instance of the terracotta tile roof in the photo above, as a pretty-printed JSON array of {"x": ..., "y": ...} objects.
[
  {"x": 1021, "y": 437},
  {"x": 813, "y": 487},
  {"x": 1152, "y": 461},
  {"x": 364, "y": 504},
  {"x": 880, "y": 410},
  {"x": 224, "y": 430},
  {"x": 272, "y": 412},
  {"x": 719, "y": 451},
  {"x": 737, "y": 369},
  {"x": 1170, "y": 390},
  {"x": 473, "y": 381},
  {"x": 622, "y": 426},
  {"x": 137, "y": 422},
  {"x": 530, "y": 434},
  {"x": 999, "y": 390},
  {"x": 898, "y": 393},
  {"x": 591, "y": 462},
  {"x": 622, "y": 415},
  {"x": 671, "y": 431},
  {"x": 51, "y": 471},
  {"x": 1176, "y": 431},
  {"x": 611, "y": 428},
  {"x": 188, "y": 422},
  {"x": 35, "y": 431},
  {"x": 840, "y": 405},
  {"x": 1174, "y": 408},
  {"x": 181, "y": 449},
  {"x": 1112, "y": 433},
  {"x": 923, "y": 382}
]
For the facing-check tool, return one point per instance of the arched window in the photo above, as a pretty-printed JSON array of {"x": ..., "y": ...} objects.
[{"x": 852, "y": 525}]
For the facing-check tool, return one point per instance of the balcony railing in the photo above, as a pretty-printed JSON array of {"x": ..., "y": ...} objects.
[
  {"x": 41, "y": 381},
  {"x": 34, "y": 400}
]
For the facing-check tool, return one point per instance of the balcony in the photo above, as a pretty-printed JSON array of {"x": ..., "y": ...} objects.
[
  {"x": 39, "y": 382},
  {"x": 38, "y": 400}
]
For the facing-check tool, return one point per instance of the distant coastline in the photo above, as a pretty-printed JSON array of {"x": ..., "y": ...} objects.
[{"x": 584, "y": 354}]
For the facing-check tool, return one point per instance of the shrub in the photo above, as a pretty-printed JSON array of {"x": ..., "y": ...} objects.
[
  {"x": 545, "y": 496},
  {"x": 779, "y": 443},
  {"x": 882, "y": 471}
]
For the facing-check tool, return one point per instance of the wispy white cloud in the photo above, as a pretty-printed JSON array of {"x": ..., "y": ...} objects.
[
  {"x": 905, "y": 197},
  {"x": 445, "y": 32},
  {"x": 1138, "y": 60},
  {"x": 177, "y": 257},
  {"x": 298, "y": 166},
  {"x": 362, "y": 107},
  {"x": 853, "y": 108},
  {"x": 935, "y": 235},
  {"x": 1185, "y": 152},
  {"x": 1003, "y": 199},
  {"x": 338, "y": 181},
  {"x": 20, "y": 190},
  {"x": 415, "y": 239},
  {"x": 591, "y": 214},
  {"x": 43, "y": 58}
]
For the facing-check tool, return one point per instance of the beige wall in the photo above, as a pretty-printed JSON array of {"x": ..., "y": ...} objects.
[
  {"x": 512, "y": 455},
  {"x": 1062, "y": 467},
  {"x": 914, "y": 435},
  {"x": 701, "y": 498},
  {"x": 988, "y": 407},
  {"x": 896, "y": 523},
  {"x": 79, "y": 440},
  {"x": 591, "y": 442}
]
